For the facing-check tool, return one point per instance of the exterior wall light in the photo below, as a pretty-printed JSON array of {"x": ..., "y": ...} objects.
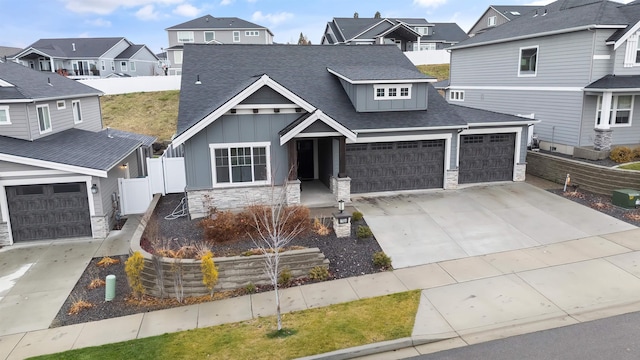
[
  {"x": 341, "y": 206},
  {"x": 94, "y": 189}
]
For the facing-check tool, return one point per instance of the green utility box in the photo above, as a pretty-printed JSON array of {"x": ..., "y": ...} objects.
[{"x": 626, "y": 198}]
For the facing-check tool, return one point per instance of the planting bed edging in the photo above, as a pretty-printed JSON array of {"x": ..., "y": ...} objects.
[{"x": 233, "y": 272}]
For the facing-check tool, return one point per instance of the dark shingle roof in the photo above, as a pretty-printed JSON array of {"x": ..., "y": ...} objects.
[
  {"x": 442, "y": 84},
  {"x": 303, "y": 71},
  {"x": 351, "y": 27},
  {"x": 560, "y": 15},
  {"x": 145, "y": 140},
  {"x": 378, "y": 72},
  {"x": 514, "y": 11},
  {"x": 32, "y": 84},
  {"x": 75, "y": 147},
  {"x": 129, "y": 52},
  {"x": 616, "y": 82},
  {"x": 210, "y": 22},
  {"x": 85, "y": 47},
  {"x": 8, "y": 51},
  {"x": 449, "y": 32}
]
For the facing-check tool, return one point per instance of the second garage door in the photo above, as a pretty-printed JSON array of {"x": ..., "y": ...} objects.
[
  {"x": 486, "y": 158},
  {"x": 49, "y": 211},
  {"x": 389, "y": 166}
]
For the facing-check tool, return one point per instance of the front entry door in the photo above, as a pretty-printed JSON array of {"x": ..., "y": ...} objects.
[{"x": 305, "y": 159}]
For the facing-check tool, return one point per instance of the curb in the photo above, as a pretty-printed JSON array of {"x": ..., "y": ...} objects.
[{"x": 375, "y": 348}]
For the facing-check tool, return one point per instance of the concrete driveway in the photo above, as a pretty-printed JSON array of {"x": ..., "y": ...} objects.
[{"x": 416, "y": 229}]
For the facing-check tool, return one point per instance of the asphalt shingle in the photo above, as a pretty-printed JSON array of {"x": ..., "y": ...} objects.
[{"x": 616, "y": 82}]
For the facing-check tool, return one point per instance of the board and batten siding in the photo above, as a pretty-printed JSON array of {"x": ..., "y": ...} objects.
[
  {"x": 19, "y": 127},
  {"x": 266, "y": 95},
  {"x": 363, "y": 98},
  {"x": 621, "y": 135},
  {"x": 62, "y": 120},
  {"x": 236, "y": 129}
]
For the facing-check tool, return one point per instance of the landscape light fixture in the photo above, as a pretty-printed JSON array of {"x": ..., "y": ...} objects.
[{"x": 341, "y": 206}]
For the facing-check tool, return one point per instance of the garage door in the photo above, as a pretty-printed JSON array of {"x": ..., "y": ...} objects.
[
  {"x": 486, "y": 158},
  {"x": 49, "y": 211},
  {"x": 389, "y": 166}
]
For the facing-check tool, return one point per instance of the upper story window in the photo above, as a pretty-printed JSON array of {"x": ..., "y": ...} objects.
[
  {"x": 209, "y": 36},
  {"x": 77, "y": 111},
  {"x": 185, "y": 36},
  {"x": 44, "y": 119},
  {"x": 491, "y": 21},
  {"x": 240, "y": 164},
  {"x": 177, "y": 57},
  {"x": 621, "y": 110},
  {"x": 252, "y": 33},
  {"x": 456, "y": 95},
  {"x": 61, "y": 104},
  {"x": 5, "y": 119},
  {"x": 392, "y": 92},
  {"x": 422, "y": 30},
  {"x": 236, "y": 36},
  {"x": 528, "y": 61}
]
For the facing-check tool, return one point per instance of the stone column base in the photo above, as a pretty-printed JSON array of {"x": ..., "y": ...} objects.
[
  {"x": 342, "y": 224},
  {"x": 293, "y": 192},
  {"x": 341, "y": 188},
  {"x": 4, "y": 234},
  {"x": 100, "y": 227},
  {"x": 602, "y": 140},
  {"x": 520, "y": 172},
  {"x": 451, "y": 180}
]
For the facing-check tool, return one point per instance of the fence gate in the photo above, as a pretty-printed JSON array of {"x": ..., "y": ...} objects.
[{"x": 135, "y": 195}]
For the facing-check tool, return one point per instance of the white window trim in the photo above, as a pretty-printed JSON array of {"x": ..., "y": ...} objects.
[
  {"x": 177, "y": 57},
  {"x": 213, "y": 147},
  {"x": 252, "y": 33},
  {"x": 234, "y": 36},
  {"x": 181, "y": 39},
  {"x": 491, "y": 21},
  {"x": 132, "y": 66},
  {"x": 103, "y": 65},
  {"x": 614, "y": 109},
  {"x": 212, "y": 38},
  {"x": 113, "y": 65},
  {"x": 47, "y": 130},
  {"x": 535, "y": 72},
  {"x": 456, "y": 95},
  {"x": 386, "y": 91},
  {"x": 76, "y": 119},
  {"x": 59, "y": 106},
  {"x": 6, "y": 111},
  {"x": 124, "y": 66}
]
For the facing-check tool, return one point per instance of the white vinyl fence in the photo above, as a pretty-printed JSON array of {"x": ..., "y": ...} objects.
[
  {"x": 429, "y": 57},
  {"x": 125, "y": 85}
]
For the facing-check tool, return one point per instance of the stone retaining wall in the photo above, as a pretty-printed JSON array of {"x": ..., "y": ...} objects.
[
  {"x": 233, "y": 272},
  {"x": 595, "y": 178}
]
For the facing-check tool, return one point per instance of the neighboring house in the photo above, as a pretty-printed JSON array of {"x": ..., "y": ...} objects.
[
  {"x": 407, "y": 34},
  {"x": 58, "y": 167},
  {"x": 497, "y": 15},
  {"x": 563, "y": 64},
  {"x": 358, "y": 119},
  {"x": 212, "y": 30},
  {"x": 81, "y": 58},
  {"x": 7, "y": 51}
]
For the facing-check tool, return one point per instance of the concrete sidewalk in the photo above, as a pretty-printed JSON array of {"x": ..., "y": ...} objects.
[{"x": 464, "y": 301}]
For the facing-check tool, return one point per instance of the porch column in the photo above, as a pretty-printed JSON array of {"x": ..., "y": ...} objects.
[
  {"x": 342, "y": 158},
  {"x": 418, "y": 49},
  {"x": 602, "y": 139},
  {"x": 53, "y": 65},
  {"x": 293, "y": 160}
]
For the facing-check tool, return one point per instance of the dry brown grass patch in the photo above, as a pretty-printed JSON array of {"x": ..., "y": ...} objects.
[
  {"x": 573, "y": 194},
  {"x": 320, "y": 227},
  {"x": 634, "y": 216},
  {"x": 78, "y": 306},
  {"x": 599, "y": 205},
  {"x": 96, "y": 283},
  {"x": 107, "y": 261}
]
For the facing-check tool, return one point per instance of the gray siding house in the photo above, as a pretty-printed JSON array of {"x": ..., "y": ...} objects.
[
  {"x": 560, "y": 64},
  {"x": 353, "y": 119},
  {"x": 212, "y": 30},
  {"x": 58, "y": 167},
  {"x": 82, "y": 58},
  {"x": 407, "y": 34},
  {"x": 497, "y": 15}
]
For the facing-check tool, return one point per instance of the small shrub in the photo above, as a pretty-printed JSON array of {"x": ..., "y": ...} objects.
[
  {"x": 202, "y": 249},
  {"x": 250, "y": 288},
  {"x": 78, "y": 305},
  {"x": 320, "y": 228},
  {"x": 356, "y": 216},
  {"x": 633, "y": 216},
  {"x": 621, "y": 154},
  {"x": 209, "y": 272},
  {"x": 133, "y": 268},
  {"x": 636, "y": 153},
  {"x": 319, "y": 273},
  {"x": 363, "y": 232},
  {"x": 107, "y": 261},
  {"x": 285, "y": 276},
  {"x": 574, "y": 194},
  {"x": 599, "y": 205},
  {"x": 186, "y": 252},
  {"x": 96, "y": 283},
  {"x": 291, "y": 218},
  {"x": 220, "y": 227},
  {"x": 381, "y": 260}
]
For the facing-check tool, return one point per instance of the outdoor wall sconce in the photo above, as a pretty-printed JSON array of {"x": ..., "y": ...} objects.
[
  {"x": 124, "y": 166},
  {"x": 255, "y": 111},
  {"x": 341, "y": 206},
  {"x": 198, "y": 80},
  {"x": 94, "y": 189}
]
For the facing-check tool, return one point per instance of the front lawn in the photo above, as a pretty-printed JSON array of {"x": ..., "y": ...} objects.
[
  {"x": 315, "y": 331},
  {"x": 634, "y": 166}
]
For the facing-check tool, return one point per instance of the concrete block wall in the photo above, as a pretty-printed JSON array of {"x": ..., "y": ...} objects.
[{"x": 595, "y": 178}]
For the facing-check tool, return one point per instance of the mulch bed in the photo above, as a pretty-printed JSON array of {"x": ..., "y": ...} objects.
[
  {"x": 347, "y": 257},
  {"x": 601, "y": 203}
]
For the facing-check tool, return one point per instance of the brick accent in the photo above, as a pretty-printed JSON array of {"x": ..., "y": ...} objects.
[
  {"x": 200, "y": 201},
  {"x": 595, "y": 178},
  {"x": 100, "y": 226},
  {"x": 4, "y": 234},
  {"x": 451, "y": 179},
  {"x": 520, "y": 172},
  {"x": 602, "y": 140}
]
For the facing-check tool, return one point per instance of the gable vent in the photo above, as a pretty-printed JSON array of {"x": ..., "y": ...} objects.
[
  {"x": 73, "y": 46},
  {"x": 233, "y": 111}
]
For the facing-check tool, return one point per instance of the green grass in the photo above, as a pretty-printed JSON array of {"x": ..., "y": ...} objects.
[
  {"x": 634, "y": 166},
  {"x": 149, "y": 113},
  {"x": 311, "y": 332},
  {"x": 439, "y": 71}
]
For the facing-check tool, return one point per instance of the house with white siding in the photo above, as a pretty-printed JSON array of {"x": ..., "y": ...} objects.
[
  {"x": 561, "y": 64},
  {"x": 496, "y": 15}
]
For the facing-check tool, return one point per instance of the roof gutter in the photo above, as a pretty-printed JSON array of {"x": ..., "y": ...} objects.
[
  {"x": 373, "y": 81},
  {"x": 450, "y": 127},
  {"x": 525, "y": 121},
  {"x": 31, "y": 100}
]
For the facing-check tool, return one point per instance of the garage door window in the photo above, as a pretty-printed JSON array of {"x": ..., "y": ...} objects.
[
  {"x": 500, "y": 138},
  {"x": 66, "y": 188},
  {"x": 30, "y": 190}
]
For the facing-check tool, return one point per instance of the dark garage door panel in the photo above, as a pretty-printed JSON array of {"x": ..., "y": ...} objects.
[
  {"x": 390, "y": 166},
  {"x": 486, "y": 158},
  {"x": 50, "y": 211}
]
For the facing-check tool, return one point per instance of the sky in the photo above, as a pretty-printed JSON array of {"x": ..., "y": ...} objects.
[{"x": 22, "y": 22}]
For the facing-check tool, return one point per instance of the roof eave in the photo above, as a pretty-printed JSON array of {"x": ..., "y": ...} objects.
[
  {"x": 53, "y": 165},
  {"x": 391, "y": 81}
]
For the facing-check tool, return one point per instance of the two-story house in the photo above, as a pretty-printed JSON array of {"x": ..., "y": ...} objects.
[
  {"x": 351, "y": 119},
  {"x": 212, "y": 30},
  {"x": 572, "y": 64},
  {"x": 81, "y": 58},
  {"x": 58, "y": 167},
  {"x": 410, "y": 34},
  {"x": 496, "y": 15}
]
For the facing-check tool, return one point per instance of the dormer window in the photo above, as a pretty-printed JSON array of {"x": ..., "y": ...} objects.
[
  {"x": 392, "y": 91},
  {"x": 422, "y": 30}
]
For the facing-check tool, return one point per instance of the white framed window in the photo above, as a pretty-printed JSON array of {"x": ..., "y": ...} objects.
[
  {"x": 456, "y": 95},
  {"x": 209, "y": 36},
  {"x": 185, "y": 36},
  {"x": 491, "y": 21},
  {"x": 241, "y": 164},
  {"x": 236, "y": 36},
  {"x": 528, "y": 61},
  {"x": 77, "y": 111},
  {"x": 177, "y": 57},
  {"x": 621, "y": 112},
  {"x": 103, "y": 65},
  {"x": 424, "y": 46},
  {"x": 113, "y": 66},
  {"x": 422, "y": 30},
  {"x": 44, "y": 119},
  {"x": 123, "y": 66},
  {"x": 5, "y": 119},
  {"x": 132, "y": 66},
  {"x": 61, "y": 104},
  {"x": 392, "y": 92},
  {"x": 252, "y": 33}
]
